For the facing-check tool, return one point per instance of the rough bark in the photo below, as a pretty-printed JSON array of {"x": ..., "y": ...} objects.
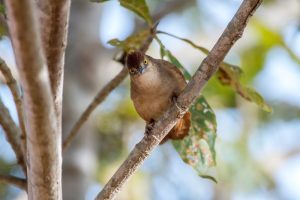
[
  {"x": 54, "y": 18},
  {"x": 209, "y": 65},
  {"x": 43, "y": 139}
]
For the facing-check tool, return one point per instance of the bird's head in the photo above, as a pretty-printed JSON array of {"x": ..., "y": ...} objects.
[{"x": 137, "y": 63}]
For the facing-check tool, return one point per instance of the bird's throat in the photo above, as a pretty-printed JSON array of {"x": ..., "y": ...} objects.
[{"x": 149, "y": 80}]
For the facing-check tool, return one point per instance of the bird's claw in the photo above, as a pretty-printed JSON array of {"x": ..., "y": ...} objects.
[
  {"x": 149, "y": 127},
  {"x": 174, "y": 101}
]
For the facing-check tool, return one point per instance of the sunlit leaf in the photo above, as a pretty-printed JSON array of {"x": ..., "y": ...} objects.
[
  {"x": 197, "y": 149},
  {"x": 133, "y": 42},
  {"x": 229, "y": 74},
  {"x": 139, "y": 7},
  {"x": 251, "y": 95},
  {"x": 115, "y": 42}
]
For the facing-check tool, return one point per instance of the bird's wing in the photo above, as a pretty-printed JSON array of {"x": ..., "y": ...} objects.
[{"x": 171, "y": 68}]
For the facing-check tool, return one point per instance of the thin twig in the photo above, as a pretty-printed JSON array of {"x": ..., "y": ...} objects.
[
  {"x": 104, "y": 92},
  {"x": 208, "y": 67},
  {"x": 12, "y": 84},
  {"x": 16, "y": 181},
  {"x": 12, "y": 133}
]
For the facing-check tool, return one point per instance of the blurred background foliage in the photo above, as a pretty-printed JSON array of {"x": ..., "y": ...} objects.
[{"x": 258, "y": 153}]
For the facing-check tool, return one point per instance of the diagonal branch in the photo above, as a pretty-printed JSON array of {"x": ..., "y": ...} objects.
[
  {"x": 12, "y": 133},
  {"x": 209, "y": 65},
  {"x": 54, "y": 20},
  {"x": 18, "y": 182},
  {"x": 43, "y": 139},
  {"x": 104, "y": 92},
  {"x": 12, "y": 84}
]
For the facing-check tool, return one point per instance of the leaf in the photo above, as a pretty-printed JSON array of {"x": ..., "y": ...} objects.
[
  {"x": 133, "y": 42},
  {"x": 115, "y": 42},
  {"x": 251, "y": 95},
  {"x": 139, "y": 7},
  {"x": 229, "y": 74},
  {"x": 197, "y": 149}
]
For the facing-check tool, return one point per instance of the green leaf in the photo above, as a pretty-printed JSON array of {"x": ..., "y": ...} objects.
[
  {"x": 139, "y": 7},
  {"x": 115, "y": 42},
  {"x": 197, "y": 149},
  {"x": 251, "y": 95},
  {"x": 229, "y": 74},
  {"x": 133, "y": 42}
]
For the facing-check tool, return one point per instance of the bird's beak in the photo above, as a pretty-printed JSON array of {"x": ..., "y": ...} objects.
[{"x": 141, "y": 69}]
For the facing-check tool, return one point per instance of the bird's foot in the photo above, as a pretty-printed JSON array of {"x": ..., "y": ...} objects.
[
  {"x": 174, "y": 101},
  {"x": 149, "y": 127}
]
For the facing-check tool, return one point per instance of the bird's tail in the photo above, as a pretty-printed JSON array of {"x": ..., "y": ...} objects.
[{"x": 180, "y": 130}]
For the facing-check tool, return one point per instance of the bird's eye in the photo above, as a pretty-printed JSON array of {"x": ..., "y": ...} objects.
[{"x": 145, "y": 62}]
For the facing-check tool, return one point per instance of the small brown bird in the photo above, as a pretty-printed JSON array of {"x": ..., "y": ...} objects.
[{"x": 155, "y": 84}]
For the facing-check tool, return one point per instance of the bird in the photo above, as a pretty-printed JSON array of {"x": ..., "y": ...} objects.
[{"x": 154, "y": 86}]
